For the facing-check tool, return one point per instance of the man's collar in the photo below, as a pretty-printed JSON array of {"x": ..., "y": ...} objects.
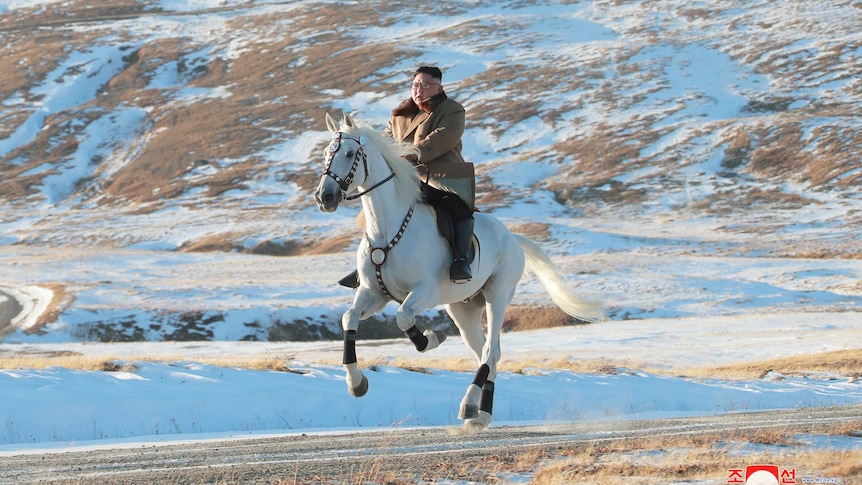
[
  {"x": 409, "y": 108},
  {"x": 433, "y": 103}
]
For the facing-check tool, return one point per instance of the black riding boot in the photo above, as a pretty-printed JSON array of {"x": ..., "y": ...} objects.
[
  {"x": 351, "y": 280},
  {"x": 459, "y": 272}
]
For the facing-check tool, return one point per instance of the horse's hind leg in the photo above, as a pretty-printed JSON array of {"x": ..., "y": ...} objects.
[
  {"x": 468, "y": 318},
  {"x": 477, "y": 405}
]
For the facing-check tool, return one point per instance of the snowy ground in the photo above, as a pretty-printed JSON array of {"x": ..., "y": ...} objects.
[
  {"x": 685, "y": 289},
  {"x": 175, "y": 397}
]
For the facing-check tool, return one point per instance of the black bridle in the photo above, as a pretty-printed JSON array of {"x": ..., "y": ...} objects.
[{"x": 344, "y": 183}]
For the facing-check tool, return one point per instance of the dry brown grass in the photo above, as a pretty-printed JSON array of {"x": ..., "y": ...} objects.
[
  {"x": 701, "y": 455},
  {"x": 821, "y": 253},
  {"x": 75, "y": 360},
  {"x": 842, "y": 363},
  {"x": 68, "y": 360},
  {"x": 535, "y": 318},
  {"x": 681, "y": 465},
  {"x": 537, "y": 231},
  {"x": 846, "y": 363},
  {"x": 645, "y": 460},
  {"x": 520, "y": 366}
]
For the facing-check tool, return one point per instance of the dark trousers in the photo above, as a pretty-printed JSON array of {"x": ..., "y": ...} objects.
[{"x": 448, "y": 201}]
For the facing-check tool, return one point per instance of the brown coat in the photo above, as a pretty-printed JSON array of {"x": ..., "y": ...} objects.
[{"x": 437, "y": 134}]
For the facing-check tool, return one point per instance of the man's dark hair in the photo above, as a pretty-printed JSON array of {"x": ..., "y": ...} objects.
[{"x": 432, "y": 71}]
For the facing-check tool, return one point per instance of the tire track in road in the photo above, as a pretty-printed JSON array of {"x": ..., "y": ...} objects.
[{"x": 414, "y": 452}]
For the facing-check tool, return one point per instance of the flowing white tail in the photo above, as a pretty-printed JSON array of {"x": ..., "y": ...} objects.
[{"x": 538, "y": 263}]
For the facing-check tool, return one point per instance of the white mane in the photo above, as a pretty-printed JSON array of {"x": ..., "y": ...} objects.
[{"x": 393, "y": 152}]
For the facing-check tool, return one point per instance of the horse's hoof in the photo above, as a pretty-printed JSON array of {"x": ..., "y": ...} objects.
[
  {"x": 361, "y": 389},
  {"x": 468, "y": 411},
  {"x": 480, "y": 422},
  {"x": 435, "y": 338}
]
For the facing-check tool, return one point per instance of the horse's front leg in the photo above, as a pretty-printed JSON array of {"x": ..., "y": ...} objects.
[
  {"x": 421, "y": 298},
  {"x": 365, "y": 304}
]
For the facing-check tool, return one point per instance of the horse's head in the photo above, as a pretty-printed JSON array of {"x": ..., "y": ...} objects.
[
  {"x": 343, "y": 156},
  {"x": 360, "y": 160}
]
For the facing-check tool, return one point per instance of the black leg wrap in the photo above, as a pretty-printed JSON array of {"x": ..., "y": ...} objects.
[
  {"x": 482, "y": 375},
  {"x": 487, "y": 402},
  {"x": 349, "y": 347},
  {"x": 418, "y": 339}
]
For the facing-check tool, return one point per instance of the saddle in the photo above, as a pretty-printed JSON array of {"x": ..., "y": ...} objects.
[
  {"x": 458, "y": 179},
  {"x": 446, "y": 228}
]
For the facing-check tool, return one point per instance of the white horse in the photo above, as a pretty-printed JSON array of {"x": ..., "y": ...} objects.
[{"x": 403, "y": 258}]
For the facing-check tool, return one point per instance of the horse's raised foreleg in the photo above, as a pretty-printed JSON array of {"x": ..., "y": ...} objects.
[
  {"x": 357, "y": 383},
  {"x": 418, "y": 300},
  {"x": 365, "y": 304}
]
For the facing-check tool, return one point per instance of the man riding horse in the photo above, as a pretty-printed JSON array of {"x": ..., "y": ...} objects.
[
  {"x": 403, "y": 259},
  {"x": 434, "y": 123}
]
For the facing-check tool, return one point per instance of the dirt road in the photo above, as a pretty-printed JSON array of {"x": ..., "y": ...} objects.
[
  {"x": 422, "y": 454},
  {"x": 9, "y": 309}
]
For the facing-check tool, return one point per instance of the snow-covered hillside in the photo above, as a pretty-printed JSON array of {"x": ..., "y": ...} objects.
[{"x": 661, "y": 128}]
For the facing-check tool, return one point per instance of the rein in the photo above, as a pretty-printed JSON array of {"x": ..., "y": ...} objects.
[{"x": 378, "y": 184}]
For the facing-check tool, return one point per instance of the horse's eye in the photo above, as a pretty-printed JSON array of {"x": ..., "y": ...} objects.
[{"x": 350, "y": 154}]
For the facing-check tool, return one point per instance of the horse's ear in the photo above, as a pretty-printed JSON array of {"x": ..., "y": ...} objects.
[
  {"x": 348, "y": 120},
  {"x": 330, "y": 123}
]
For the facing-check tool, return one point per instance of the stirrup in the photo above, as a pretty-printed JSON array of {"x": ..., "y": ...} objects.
[
  {"x": 351, "y": 280},
  {"x": 459, "y": 271}
]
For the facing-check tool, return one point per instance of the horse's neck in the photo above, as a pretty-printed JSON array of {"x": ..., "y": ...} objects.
[{"x": 384, "y": 214}]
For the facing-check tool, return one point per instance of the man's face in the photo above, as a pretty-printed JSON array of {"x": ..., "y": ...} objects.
[{"x": 424, "y": 86}]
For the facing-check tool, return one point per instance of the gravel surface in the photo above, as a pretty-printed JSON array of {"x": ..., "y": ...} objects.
[{"x": 418, "y": 454}]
